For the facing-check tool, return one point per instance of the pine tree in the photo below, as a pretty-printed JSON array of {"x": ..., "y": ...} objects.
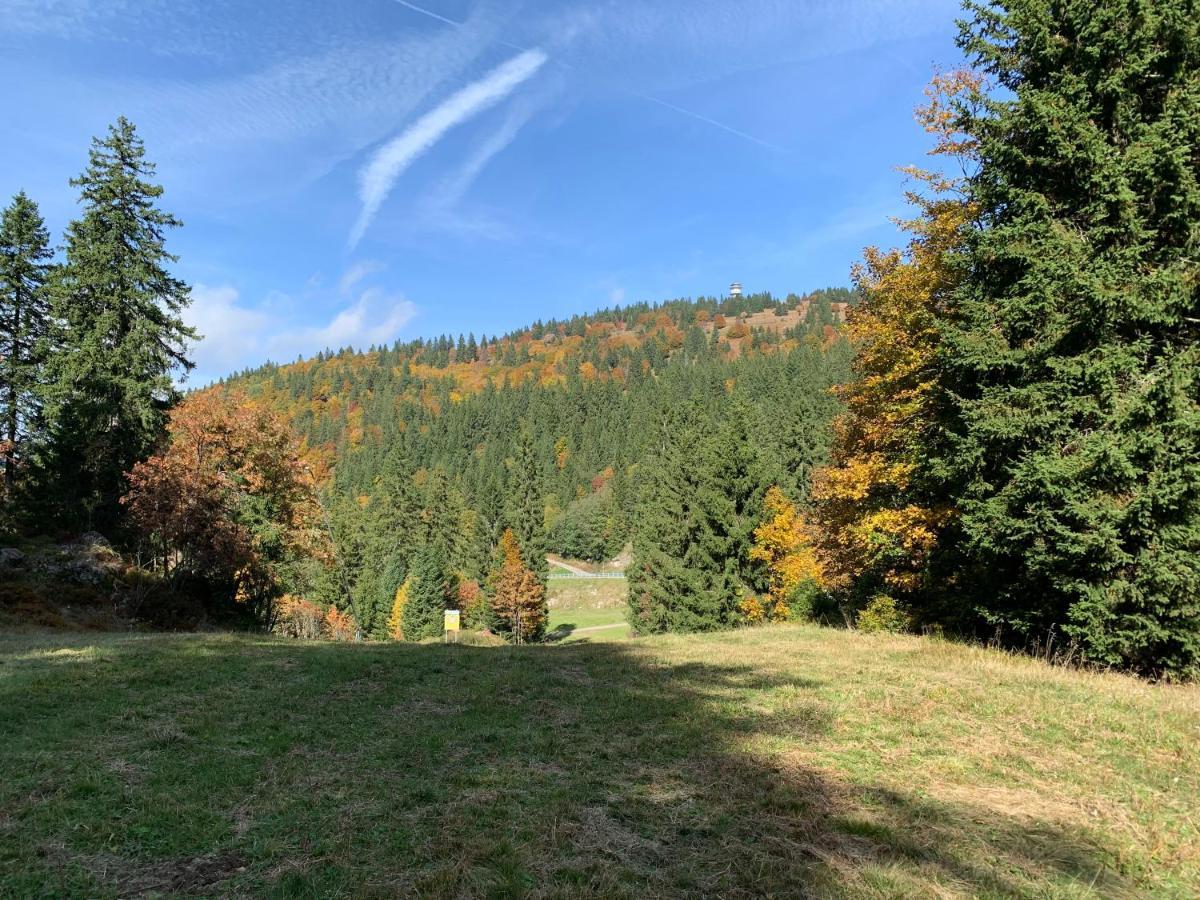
[
  {"x": 1076, "y": 355},
  {"x": 119, "y": 337},
  {"x": 24, "y": 267},
  {"x": 689, "y": 548},
  {"x": 424, "y": 609}
]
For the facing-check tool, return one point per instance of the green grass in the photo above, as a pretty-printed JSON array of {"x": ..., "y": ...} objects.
[
  {"x": 587, "y": 603},
  {"x": 785, "y": 761},
  {"x": 569, "y": 625}
]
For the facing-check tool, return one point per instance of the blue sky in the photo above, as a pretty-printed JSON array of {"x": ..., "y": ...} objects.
[{"x": 358, "y": 171}]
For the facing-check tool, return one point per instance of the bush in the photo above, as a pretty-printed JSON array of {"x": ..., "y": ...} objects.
[
  {"x": 339, "y": 626},
  {"x": 883, "y": 613},
  {"x": 296, "y": 617}
]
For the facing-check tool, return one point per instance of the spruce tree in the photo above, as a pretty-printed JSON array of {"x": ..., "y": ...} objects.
[
  {"x": 528, "y": 505},
  {"x": 24, "y": 267},
  {"x": 1075, "y": 363},
  {"x": 425, "y": 605},
  {"x": 693, "y": 529},
  {"x": 119, "y": 337}
]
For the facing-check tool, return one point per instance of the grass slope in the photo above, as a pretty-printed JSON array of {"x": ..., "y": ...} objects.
[{"x": 784, "y": 761}]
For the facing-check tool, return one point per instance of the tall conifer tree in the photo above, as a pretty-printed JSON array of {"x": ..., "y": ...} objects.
[
  {"x": 528, "y": 506},
  {"x": 120, "y": 339},
  {"x": 1076, "y": 359},
  {"x": 425, "y": 606},
  {"x": 24, "y": 267}
]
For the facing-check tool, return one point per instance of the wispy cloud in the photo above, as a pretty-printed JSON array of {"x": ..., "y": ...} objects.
[
  {"x": 453, "y": 188},
  {"x": 380, "y": 174},
  {"x": 357, "y": 272},
  {"x": 237, "y": 334}
]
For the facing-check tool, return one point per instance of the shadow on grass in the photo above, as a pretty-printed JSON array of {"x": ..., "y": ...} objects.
[
  {"x": 231, "y": 765},
  {"x": 560, "y": 633}
]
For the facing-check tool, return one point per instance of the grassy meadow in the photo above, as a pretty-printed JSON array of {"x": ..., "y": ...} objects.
[
  {"x": 785, "y": 761},
  {"x": 587, "y": 609}
]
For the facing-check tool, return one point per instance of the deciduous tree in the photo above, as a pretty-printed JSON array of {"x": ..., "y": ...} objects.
[
  {"x": 782, "y": 546},
  {"x": 518, "y": 602}
]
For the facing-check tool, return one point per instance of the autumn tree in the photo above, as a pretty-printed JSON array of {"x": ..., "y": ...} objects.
[
  {"x": 877, "y": 513},
  {"x": 395, "y": 622},
  {"x": 783, "y": 547},
  {"x": 518, "y": 601},
  {"x": 229, "y": 499}
]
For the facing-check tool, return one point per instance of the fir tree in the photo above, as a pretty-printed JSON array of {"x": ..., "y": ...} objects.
[
  {"x": 425, "y": 606},
  {"x": 688, "y": 547},
  {"x": 1075, "y": 362},
  {"x": 119, "y": 337},
  {"x": 24, "y": 267},
  {"x": 528, "y": 506}
]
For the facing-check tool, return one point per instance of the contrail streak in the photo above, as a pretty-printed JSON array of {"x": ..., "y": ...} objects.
[
  {"x": 643, "y": 96},
  {"x": 379, "y": 175},
  {"x": 713, "y": 122},
  {"x": 429, "y": 12}
]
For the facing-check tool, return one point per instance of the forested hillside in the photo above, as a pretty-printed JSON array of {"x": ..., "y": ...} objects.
[
  {"x": 447, "y": 442},
  {"x": 994, "y": 435}
]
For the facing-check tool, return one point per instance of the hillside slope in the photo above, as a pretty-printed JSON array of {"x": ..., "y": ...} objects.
[
  {"x": 444, "y": 444},
  {"x": 786, "y": 761}
]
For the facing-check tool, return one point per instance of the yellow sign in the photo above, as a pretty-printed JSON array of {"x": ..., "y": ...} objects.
[{"x": 451, "y": 620}]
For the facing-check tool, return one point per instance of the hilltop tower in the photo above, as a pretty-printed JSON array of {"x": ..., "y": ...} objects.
[{"x": 735, "y": 289}]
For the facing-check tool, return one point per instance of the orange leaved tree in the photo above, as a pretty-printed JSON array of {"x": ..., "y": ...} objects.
[
  {"x": 518, "y": 597},
  {"x": 228, "y": 500}
]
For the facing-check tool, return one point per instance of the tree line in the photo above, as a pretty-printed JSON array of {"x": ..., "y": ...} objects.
[{"x": 547, "y": 448}]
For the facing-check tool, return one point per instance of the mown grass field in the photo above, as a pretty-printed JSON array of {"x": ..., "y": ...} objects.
[
  {"x": 587, "y": 609},
  {"x": 789, "y": 761}
]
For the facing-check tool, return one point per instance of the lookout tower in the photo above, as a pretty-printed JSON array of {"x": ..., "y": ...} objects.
[{"x": 735, "y": 289}]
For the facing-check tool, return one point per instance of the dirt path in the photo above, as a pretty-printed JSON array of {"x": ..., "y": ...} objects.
[
  {"x": 599, "y": 627},
  {"x": 574, "y": 570}
]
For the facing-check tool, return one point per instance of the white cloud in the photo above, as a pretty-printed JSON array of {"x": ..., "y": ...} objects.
[
  {"x": 231, "y": 334},
  {"x": 378, "y": 176},
  {"x": 375, "y": 318},
  {"x": 236, "y": 335},
  {"x": 357, "y": 273}
]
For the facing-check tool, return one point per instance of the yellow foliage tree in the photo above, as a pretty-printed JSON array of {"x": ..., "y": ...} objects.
[
  {"x": 783, "y": 546},
  {"x": 872, "y": 524},
  {"x": 395, "y": 622}
]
